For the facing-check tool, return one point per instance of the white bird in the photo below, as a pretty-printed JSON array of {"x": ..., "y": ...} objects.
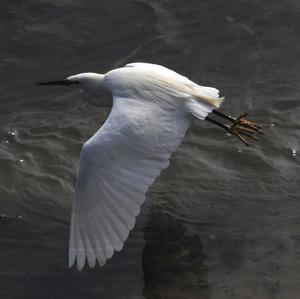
[{"x": 152, "y": 108}]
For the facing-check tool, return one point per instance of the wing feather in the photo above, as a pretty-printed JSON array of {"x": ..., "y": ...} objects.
[{"x": 117, "y": 166}]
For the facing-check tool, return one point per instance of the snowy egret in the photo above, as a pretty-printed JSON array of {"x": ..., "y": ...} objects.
[{"x": 152, "y": 107}]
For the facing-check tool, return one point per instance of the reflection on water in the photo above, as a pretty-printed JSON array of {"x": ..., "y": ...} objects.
[{"x": 173, "y": 261}]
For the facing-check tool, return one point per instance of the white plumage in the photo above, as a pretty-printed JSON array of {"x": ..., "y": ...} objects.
[
  {"x": 151, "y": 112},
  {"x": 152, "y": 109}
]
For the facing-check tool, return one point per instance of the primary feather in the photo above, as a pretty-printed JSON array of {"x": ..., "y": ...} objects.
[{"x": 152, "y": 109}]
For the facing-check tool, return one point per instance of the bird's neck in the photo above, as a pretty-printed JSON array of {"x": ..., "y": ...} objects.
[{"x": 94, "y": 91}]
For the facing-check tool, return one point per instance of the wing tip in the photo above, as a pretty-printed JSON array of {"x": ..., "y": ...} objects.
[
  {"x": 72, "y": 257},
  {"x": 79, "y": 258}
]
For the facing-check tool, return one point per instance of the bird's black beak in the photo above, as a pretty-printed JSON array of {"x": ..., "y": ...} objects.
[{"x": 65, "y": 82}]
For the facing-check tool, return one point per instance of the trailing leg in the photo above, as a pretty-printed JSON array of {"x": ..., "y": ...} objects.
[{"x": 240, "y": 127}]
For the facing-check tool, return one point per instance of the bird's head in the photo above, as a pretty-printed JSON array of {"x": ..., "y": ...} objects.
[
  {"x": 90, "y": 83},
  {"x": 85, "y": 81}
]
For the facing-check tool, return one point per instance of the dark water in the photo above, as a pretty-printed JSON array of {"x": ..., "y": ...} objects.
[{"x": 223, "y": 221}]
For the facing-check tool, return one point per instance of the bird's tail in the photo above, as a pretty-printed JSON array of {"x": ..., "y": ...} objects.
[
  {"x": 203, "y": 101},
  {"x": 199, "y": 109},
  {"x": 215, "y": 102},
  {"x": 208, "y": 95}
]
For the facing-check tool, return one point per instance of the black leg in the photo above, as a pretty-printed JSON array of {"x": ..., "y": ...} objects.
[
  {"x": 240, "y": 126},
  {"x": 228, "y": 117},
  {"x": 236, "y": 129},
  {"x": 217, "y": 123}
]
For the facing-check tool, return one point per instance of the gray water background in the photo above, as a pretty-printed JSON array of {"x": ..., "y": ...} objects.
[{"x": 223, "y": 220}]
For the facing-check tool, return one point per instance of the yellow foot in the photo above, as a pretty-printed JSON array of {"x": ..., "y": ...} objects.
[{"x": 243, "y": 128}]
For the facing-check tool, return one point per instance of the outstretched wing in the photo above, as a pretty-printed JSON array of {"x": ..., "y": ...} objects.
[{"x": 117, "y": 166}]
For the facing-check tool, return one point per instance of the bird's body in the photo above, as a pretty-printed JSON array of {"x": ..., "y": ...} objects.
[{"x": 152, "y": 109}]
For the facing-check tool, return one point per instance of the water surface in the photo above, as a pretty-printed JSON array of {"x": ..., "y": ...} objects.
[{"x": 223, "y": 220}]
